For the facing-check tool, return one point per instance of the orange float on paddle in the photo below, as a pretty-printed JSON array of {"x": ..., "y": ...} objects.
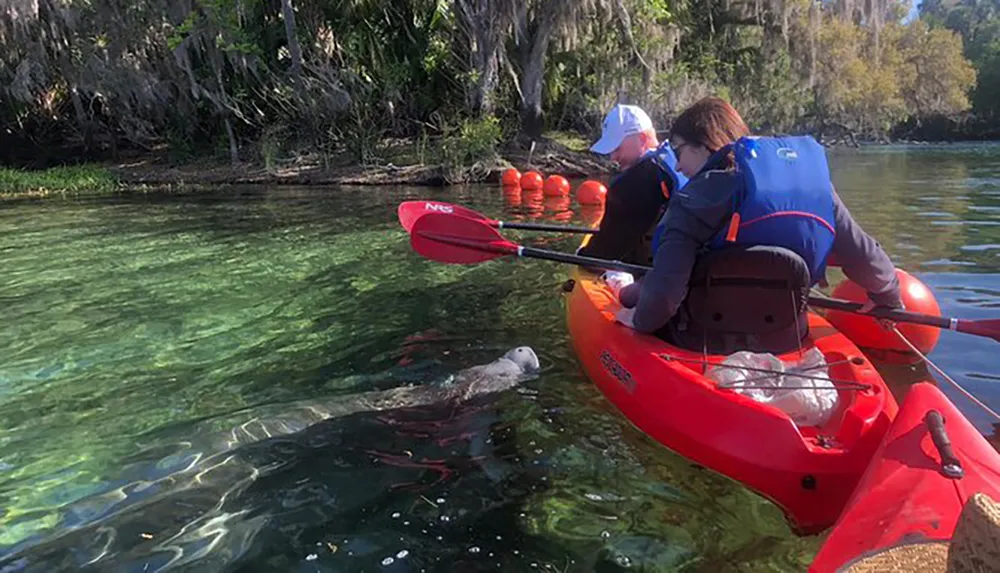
[
  {"x": 531, "y": 181},
  {"x": 556, "y": 186},
  {"x": 511, "y": 178},
  {"x": 867, "y": 333},
  {"x": 591, "y": 193}
]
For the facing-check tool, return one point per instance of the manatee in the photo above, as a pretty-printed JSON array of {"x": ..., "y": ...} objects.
[
  {"x": 180, "y": 500},
  {"x": 515, "y": 366}
]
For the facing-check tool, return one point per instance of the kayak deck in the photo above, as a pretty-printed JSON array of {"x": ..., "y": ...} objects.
[
  {"x": 904, "y": 497},
  {"x": 809, "y": 472}
]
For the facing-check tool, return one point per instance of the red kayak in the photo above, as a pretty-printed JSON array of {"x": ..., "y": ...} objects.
[
  {"x": 808, "y": 471},
  {"x": 931, "y": 462}
]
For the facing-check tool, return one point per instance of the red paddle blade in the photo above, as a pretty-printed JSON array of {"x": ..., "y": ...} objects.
[
  {"x": 988, "y": 328},
  {"x": 410, "y": 211},
  {"x": 457, "y": 239}
]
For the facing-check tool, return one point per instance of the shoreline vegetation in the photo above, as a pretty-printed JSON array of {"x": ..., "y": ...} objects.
[
  {"x": 403, "y": 162},
  {"x": 435, "y": 92}
]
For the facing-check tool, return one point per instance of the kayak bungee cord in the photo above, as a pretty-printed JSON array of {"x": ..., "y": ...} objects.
[
  {"x": 841, "y": 384},
  {"x": 943, "y": 373}
]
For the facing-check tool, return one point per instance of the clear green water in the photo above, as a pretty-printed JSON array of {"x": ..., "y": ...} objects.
[{"x": 135, "y": 327}]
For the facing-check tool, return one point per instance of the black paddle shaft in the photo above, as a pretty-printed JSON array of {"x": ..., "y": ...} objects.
[
  {"x": 590, "y": 262},
  {"x": 817, "y": 301},
  {"x": 545, "y": 227}
]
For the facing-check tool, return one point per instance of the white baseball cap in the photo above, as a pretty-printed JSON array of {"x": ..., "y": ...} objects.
[{"x": 621, "y": 122}]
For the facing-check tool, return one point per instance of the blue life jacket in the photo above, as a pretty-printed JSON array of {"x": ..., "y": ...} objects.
[
  {"x": 670, "y": 181},
  {"x": 664, "y": 158},
  {"x": 786, "y": 199}
]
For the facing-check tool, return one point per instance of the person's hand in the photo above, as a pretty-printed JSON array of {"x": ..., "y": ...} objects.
[
  {"x": 625, "y": 316},
  {"x": 885, "y": 323},
  {"x": 617, "y": 280}
]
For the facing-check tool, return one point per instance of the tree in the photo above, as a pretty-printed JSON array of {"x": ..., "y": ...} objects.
[{"x": 939, "y": 79}]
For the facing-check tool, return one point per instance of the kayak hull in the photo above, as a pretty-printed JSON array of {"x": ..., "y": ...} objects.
[
  {"x": 808, "y": 472},
  {"x": 904, "y": 497}
]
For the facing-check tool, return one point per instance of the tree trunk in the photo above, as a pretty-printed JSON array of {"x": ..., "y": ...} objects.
[
  {"x": 483, "y": 102},
  {"x": 82, "y": 120},
  {"x": 533, "y": 74},
  {"x": 483, "y": 23},
  {"x": 815, "y": 20},
  {"x": 234, "y": 152},
  {"x": 288, "y": 15},
  {"x": 223, "y": 102}
]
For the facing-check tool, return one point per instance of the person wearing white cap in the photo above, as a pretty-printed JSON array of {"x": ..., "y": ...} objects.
[
  {"x": 637, "y": 197},
  {"x": 627, "y": 132}
]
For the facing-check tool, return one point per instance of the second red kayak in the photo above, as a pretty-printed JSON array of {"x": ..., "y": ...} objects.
[{"x": 931, "y": 462}]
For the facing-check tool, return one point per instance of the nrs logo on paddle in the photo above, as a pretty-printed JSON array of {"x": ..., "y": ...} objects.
[{"x": 438, "y": 208}]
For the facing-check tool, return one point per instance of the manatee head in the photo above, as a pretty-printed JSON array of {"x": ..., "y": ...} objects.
[
  {"x": 524, "y": 357},
  {"x": 514, "y": 367}
]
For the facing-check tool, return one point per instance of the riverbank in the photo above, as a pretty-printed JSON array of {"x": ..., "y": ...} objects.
[
  {"x": 70, "y": 180},
  {"x": 400, "y": 162}
]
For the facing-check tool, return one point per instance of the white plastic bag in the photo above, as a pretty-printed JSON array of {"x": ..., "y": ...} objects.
[
  {"x": 808, "y": 407},
  {"x": 807, "y": 401}
]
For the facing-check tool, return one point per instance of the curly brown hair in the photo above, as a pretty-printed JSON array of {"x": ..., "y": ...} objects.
[{"x": 710, "y": 122}]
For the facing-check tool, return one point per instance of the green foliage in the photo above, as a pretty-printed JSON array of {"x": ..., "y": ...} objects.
[
  {"x": 773, "y": 97},
  {"x": 977, "y": 22},
  {"x": 146, "y": 74},
  {"x": 57, "y": 180},
  {"x": 986, "y": 98},
  {"x": 939, "y": 78},
  {"x": 914, "y": 71},
  {"x": 473, "y": 140}
]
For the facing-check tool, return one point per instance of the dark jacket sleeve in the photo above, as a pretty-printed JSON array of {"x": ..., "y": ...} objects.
[
  {"x": 863, "y": 259},
  {"x": 696, "y": 214},
  {"x": 632, "y": 206}
]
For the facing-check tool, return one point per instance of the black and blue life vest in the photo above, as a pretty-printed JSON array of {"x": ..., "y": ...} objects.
[
  {"x": 664, "y": 158},
  {"x": 786, "y": 199},
  {"x": 670, "y": 180}
]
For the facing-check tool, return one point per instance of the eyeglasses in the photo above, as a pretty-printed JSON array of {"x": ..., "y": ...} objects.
[{"x": 677, "y": 150}]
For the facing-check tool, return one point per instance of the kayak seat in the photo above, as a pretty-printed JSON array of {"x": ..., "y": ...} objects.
[{"x": 747, "y": 298}]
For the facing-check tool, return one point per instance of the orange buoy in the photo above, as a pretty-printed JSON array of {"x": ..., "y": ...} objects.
[
  {"x": 511, "y": 178},
  {"x": 592, "y": 214},
  {"x": 591, "y": 193},
  {"x": 557, "y": 208},
  {"x": 532, "y": 203},
  {"x": 531, "y": 181},
  {"x": 867, "y": 333},
  {"x": 512, "y": 196},
  {"x": 556, "y": 186}
]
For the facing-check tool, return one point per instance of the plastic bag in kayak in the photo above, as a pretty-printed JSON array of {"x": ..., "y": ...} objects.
[{"x": 807, "y": 401}]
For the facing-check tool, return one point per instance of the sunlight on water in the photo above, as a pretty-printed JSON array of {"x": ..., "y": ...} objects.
[{"x": 166, "y": 359}]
